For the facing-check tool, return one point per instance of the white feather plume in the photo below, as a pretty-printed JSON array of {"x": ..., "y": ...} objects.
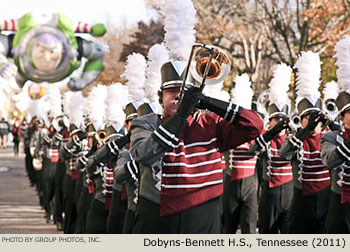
[
  {"x": 180, "y": 20},
  {"x": 55, "y": 102},
  {"x": 67, "y": 96},
  {"x": 97, "y": 105},
  {"x": 331, "y": 90},
  {"x": 33, "y": 109},
  {"x": 342, "y": 49},
  {"x": 135, "y": 70},
  {"x": 76, "y": 109},
  {"x": 216, "y": 91},
  {"x": 37, "y": 107},
  {"x": 242, "y": 93},
  {"x": 157, "y": 56},
  {"x": 279, "y": 85},
  {"x": 85, "y": 106},
  {"x": 308, "y": 75},
  {"x": 116, "y": 100}
]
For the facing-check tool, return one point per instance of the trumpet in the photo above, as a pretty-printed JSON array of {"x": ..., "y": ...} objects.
[
  {"x": 295, "y": 121},
  {"x": 331, "y": 109},
  {"x": 208, "y": 65},
  {"x": 101, "y": 136}
]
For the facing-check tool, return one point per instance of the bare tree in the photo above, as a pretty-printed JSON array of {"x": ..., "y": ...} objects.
[
  {"x": 233, "y": 25},
  {"x": 261, "y": 33}
]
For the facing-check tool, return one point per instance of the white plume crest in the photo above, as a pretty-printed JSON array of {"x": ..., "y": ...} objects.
[
  {"x": 97, "y": 105},
  {"x": 180, "y": 20},
  {"x": 308, "y": 75},
  {"x": 55, "y": 102},
  {"x": 135, "y": 70},
  {"x": 76, "y": 109},
  {"x": 216, "y": 91},
  {"x": 117, "y": 98},
  {"x": 242, "y": 93},
  {"x": 35, "y": 109},
  {"x": 39, "y": 108},
  {"x": 331, "y": 90},
  {"x": 85, "y": 107},
  {"x": 157, "y": 56},
  {"x": 67, "y": 96},
  {"x": 279, "y": 85},
  {"x": 342, "y": 49}
]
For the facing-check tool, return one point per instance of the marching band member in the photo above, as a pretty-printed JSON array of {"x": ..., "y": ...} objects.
[
  {"x": 51, "y": 142},
  {"x": 135, "y": 76},
  {"x": 184, "y": 151},
  {"x": 86, "y": 193},
  {"x": 311, "y": 178},
  {"x": 70, "y": 152},
  {"x": 336, "y": 149},
  {"x": 127, "y": 170},
  {"x": 277, "y": 185},
  {"x": 98, "y": 212},
  {"x": 240, "y": 203}
]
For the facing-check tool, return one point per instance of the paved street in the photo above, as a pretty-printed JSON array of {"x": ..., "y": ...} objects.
[{"x": 20, "y": 212}]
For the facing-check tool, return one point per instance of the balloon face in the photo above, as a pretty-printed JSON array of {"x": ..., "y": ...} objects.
[
  {"x": 45, "y": 54},
  {"x": 46, "y": 58}
]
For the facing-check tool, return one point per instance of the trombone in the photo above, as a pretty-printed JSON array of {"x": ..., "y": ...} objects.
[{"x": 208, "y": 65}]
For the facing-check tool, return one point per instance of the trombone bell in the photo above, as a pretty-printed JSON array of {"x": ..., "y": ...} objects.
[{"x": 219, "y": 66}]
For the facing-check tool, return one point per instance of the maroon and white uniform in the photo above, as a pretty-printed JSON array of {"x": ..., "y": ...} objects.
[
  {"x": 241, "y": 162},
  {"x": 336, "y": 155},
  {"x": 276, "y": 185},
  {"x": 240, "y": 203},
  {"x": 311, "y": 181},
  {"x": 192, "y": 173}
]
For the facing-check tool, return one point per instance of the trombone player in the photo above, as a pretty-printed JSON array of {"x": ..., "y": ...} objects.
[{"x": 187, "y": 147}]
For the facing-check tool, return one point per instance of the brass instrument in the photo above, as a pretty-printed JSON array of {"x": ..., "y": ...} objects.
[
  {"x": 331, "y": 110},
  {"x": 295, "y": 121},
  {"x": 208, "y": 65},
  {"x": 101, "y": 136}
]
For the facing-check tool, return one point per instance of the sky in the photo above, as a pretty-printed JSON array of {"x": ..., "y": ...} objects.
[{"x": 116, "y": 12}]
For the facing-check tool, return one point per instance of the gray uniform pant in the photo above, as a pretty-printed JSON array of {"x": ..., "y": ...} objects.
[
  {"x": 338, "y": 220},
  {"x": 309, "y": 213},
  {"x": 274, "y": 208},
  {"x": 240, "y": 205}
]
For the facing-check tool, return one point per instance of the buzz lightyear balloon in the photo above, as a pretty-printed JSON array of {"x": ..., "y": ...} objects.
[{"x": 45, "y": 48}]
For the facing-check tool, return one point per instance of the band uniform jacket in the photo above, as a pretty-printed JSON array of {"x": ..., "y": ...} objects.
[
  {"x": 192, "y": 173},
  {"x": 121, "y": 175},
  {"x": 240, "y": 162},
  {"x": 339, "y": 170},
  {"x": 276, "y": 170},
  {"x": 309, "y": 173}
]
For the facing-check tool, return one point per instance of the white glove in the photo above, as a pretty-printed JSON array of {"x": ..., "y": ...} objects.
[{"x": 8, "y": 70}]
